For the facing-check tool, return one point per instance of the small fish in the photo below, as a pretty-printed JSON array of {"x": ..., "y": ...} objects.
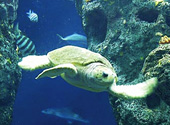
[
  {"x": 64, "y": 113},
  {"x": 32, "y": 16},
  {"x": 24, "y": 45},
  {"x": 74, "y": 37}
]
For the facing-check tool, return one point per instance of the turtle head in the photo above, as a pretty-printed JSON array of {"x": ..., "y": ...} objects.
[{"x": 101, "y": 76}]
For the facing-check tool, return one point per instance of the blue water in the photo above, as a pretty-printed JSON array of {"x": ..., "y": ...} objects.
[{"x": 55, "y": 17}]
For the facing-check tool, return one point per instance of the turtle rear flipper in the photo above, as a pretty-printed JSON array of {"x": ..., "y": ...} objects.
[
  {"x": 139, "y": 90},
  {"x": 58, "y": 70}
]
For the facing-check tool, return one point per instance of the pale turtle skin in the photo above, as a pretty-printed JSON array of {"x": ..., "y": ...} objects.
[{"x": 87, "y": 70}]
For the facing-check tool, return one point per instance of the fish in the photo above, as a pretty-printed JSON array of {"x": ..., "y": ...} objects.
[
  {"x": 32, "y": 16},
  {"x": 73, "y": 37},
  {"x": 64, "y": 113},
  {"x": 24, "y": 45}
]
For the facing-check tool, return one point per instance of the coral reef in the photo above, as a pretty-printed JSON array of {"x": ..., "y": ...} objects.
[
  {"x": 8, "y": 10},
  {"x": 158, "y": 64},
  {"x": 9, "y": 71},
  {"x": 125, "y": 32},
  {"x": 136, "y": 112}
]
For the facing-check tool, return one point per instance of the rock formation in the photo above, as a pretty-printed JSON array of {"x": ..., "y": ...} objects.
[
  {"x": 125, "y": 32},
  {"x": 9, "y": 70}
]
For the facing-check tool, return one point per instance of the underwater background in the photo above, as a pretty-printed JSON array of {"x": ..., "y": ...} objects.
[{"x": 33, "y": 96}]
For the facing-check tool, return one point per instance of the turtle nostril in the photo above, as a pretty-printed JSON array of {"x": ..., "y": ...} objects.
[{"x": 105, "y": 74}]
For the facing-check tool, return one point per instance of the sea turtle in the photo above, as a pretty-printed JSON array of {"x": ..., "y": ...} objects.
[{"x": 85, "y": 69}]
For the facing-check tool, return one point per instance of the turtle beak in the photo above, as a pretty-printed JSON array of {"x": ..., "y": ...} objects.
[{"x": 111, "y": 77}]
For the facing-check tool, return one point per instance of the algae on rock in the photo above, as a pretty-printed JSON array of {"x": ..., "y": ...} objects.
[
  {"x": 125, "y": 32},
  {"x": 9, "y": 70}
]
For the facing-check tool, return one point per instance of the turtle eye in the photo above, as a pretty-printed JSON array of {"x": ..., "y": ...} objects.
[{"x": 105, "y": 74}]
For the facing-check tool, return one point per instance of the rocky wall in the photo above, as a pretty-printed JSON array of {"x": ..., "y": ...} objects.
[
  {"x": 9, "y": 71},
  {"x": 125, "y": 32}
]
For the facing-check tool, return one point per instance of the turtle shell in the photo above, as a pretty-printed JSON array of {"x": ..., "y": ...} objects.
[{"x": 76, "y": 56}]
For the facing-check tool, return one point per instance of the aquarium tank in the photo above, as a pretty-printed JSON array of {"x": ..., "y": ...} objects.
[{"x": 96, "y": 62}]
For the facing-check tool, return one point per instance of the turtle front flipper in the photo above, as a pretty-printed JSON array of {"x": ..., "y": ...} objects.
[
  {"x": 33, "y": 62},
  {"x": 58, "y": 70},
  {"x": 140, "y": 90}
]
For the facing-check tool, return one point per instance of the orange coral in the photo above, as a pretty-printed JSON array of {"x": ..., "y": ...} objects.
[
  {"x": 88, "y": 1},
  {"x": 164, "y": 40}
]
